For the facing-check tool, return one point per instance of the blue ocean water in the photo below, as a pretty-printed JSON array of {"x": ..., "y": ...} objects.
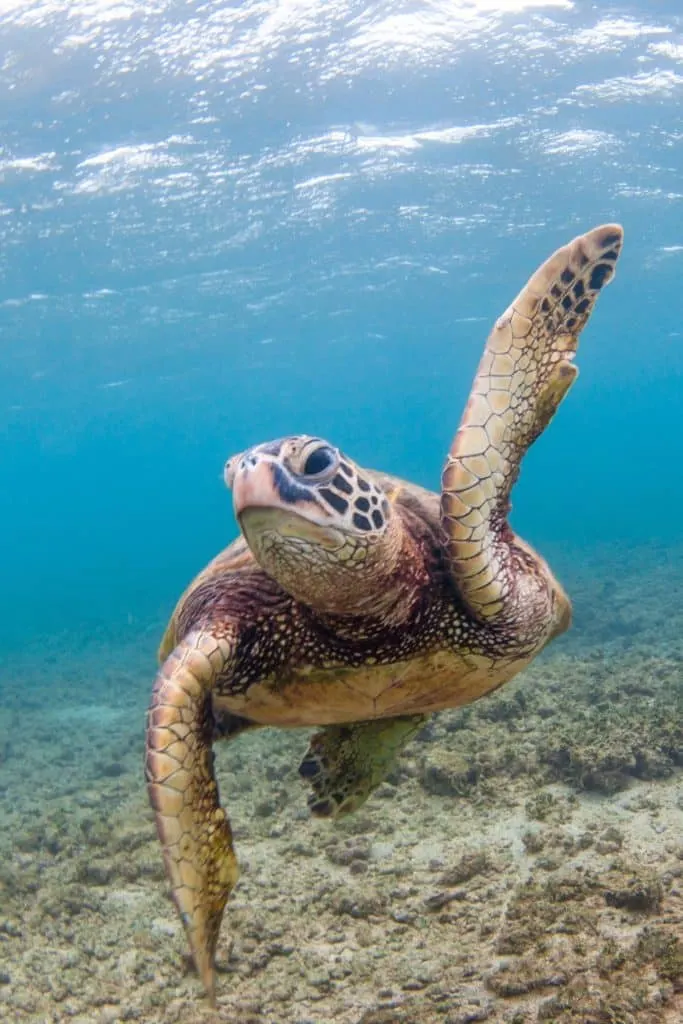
[{"x": 222, "y": 223}]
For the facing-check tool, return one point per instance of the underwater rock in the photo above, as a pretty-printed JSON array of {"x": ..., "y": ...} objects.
[
  {"x": 469, "y": 866},
  {"x": 665, "y": 951},
  {"x": 611, "y": 841},
  {"x": 448, "y": 773},
  {"x": 638, "y": 895},
  {"x": 533, "y": 841},
  {"x": 469, "y": 1015},
  {"x": 349, "y": 850},
  {"x": 385, "y": 1015}
]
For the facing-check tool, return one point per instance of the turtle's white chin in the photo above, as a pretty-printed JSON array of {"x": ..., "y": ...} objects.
[{"x": 262, "y": 527}]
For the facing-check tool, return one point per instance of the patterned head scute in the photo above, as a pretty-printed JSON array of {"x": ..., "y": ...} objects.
[
  {"x": 315, "y": 521},
  {"x": 312, "y": 477}
]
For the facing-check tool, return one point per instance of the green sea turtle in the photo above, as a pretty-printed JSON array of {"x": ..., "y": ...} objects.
[{"x": 361, "y": 604}]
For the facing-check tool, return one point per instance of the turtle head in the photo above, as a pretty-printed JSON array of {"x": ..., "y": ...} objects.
[{"x": 316, "y": 523}]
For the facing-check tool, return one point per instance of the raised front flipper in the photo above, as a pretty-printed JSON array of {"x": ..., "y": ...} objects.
[
  {"x": 523, "y": 376},
  {"x": 193, "y": 828},
  {"x": 345, "y": 763}
]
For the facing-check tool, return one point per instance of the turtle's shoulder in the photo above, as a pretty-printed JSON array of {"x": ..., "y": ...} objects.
[{"x": 232, "y": 579}]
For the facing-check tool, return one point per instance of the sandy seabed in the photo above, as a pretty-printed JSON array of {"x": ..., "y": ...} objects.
[{"x": 523, "y": 863}]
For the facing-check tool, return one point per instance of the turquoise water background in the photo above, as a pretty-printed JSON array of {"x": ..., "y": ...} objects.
[{"x": 223, "y": 224}]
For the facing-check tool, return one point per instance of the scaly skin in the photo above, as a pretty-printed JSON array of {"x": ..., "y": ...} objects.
[
  {"x": 525, "y": 372},
  {"x": 360, "y": 603},
  {"x": 361, "y": 755},
  {"x": 193, "y": 828}
]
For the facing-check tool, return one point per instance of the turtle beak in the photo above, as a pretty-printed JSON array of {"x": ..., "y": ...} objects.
[
  {"x": 230, "y": 469},
  {"x": 253, "y": 484},
  {"x": 258, "y": 480}
]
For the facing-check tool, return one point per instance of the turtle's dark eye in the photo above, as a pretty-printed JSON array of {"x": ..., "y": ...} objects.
[{"x": 318, "y": 461}]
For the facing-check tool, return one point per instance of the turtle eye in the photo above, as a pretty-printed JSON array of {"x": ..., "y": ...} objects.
[{"x": 319, "y": 460}]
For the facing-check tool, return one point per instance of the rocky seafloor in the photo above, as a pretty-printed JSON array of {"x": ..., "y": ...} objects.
[{"x": 523, "y": 863}]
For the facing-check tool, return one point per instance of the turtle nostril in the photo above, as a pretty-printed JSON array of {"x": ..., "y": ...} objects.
[
  {"x": 229, "y": 472},
  {"x": 238, "y": 464}
]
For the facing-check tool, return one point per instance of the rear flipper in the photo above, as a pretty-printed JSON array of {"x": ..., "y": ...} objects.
[{"x": 345, "y": 763}]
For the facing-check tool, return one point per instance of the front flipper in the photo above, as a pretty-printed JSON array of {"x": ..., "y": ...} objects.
[
  {"x": 345, "y": 763},
  {"x": 193, "y": 828},
  {"x": 524, "y": 374}
]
